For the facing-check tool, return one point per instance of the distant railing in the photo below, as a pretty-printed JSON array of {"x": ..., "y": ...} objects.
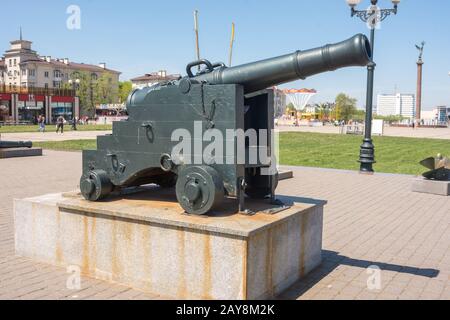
[{"x": 38, "y": 91}]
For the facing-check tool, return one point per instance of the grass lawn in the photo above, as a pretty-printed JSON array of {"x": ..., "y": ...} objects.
[
  {"x": 69, "y": 145},
  {"x": 393, "y": 155},
  {"x": 51, "y": 127}
]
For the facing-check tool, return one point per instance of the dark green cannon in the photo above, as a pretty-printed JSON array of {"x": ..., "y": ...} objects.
[
  {"x": 208, "y": 134},
  {"x": 15, "y": 144}
]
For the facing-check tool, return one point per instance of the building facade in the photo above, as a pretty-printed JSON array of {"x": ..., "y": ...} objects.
[
  {"x": 33, "y": 85},
  {"x": 396, "y": 105},
  {"x": 279, "y": 104},
  {"x": 439, "y": 115},
  {"x": 153, "y": 78}
]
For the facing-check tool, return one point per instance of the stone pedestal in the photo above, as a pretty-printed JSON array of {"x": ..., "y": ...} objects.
[
  {"x": 422, "y": 185},
  {"x": 20, "y": 152},
  {"x": 145, "y": 241}
]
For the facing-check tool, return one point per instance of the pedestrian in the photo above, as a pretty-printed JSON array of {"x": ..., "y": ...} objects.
[
  {"x": 39, "y": 122},
  {"x": 74, "y": 123},
  {"x": 42, "y": 123},
  {"x": 60, "y": 124}
]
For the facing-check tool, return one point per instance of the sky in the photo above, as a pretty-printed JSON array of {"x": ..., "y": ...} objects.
[{"x": 138, "y": 37}]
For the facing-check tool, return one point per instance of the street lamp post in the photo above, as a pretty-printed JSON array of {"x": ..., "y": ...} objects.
[
  {"x": 75, "y": 85},
  {"x": 372, "y": 17}
]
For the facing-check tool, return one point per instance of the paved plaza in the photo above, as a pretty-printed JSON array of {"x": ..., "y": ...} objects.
[
  {"x": 369, "y": 221},
  {"x": 52, "y": 136}
]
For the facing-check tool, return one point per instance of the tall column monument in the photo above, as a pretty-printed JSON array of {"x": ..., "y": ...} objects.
[{"x": 419, "y": 84}]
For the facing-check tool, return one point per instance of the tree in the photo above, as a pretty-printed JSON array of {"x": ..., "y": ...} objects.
[
  {"x": 106, "y": 90},
  {"x": 346, "y": 107},
  {"x": 390, "y": 119},
  {"x": 93, "y": 91},
  {"x": 324, "y": 110},
  {"x": 359, "y": 115},
  {"x": 125, "y": 88},
  {"x": 84, "y": 91},
  {"x": 290, "y": 108}
]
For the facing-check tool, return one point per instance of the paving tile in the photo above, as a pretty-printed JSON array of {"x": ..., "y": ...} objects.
[{"x": 405, "y": 234}]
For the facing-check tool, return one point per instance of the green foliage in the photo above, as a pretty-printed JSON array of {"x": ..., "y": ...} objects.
[
  {"x": 345, "y": 107},
  {"x": 325, "y": 110},
  {"x": 390, "y": 119},
  {"x": 93, "y": 91},
  {"x": 125, "y": 88},
  {"x": 105, "y": 90},
  {"x": 290, "y": 108},
  {"x": 84, "y": 91},
  {"x": 359, "y": 115}
]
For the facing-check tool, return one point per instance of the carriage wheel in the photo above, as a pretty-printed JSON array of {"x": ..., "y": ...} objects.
[
  {"x": 96, "y": 185},
  {"x": 199, "y": 189}
]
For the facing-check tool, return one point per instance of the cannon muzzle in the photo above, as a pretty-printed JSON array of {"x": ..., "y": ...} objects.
[
  {"x": 259, "y": 75},
  {"x": 15, "y": 144}
]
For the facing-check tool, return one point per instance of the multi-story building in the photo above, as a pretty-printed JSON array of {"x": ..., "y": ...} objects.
[
  {"x": 396, "y": 105},
  {"x": 32, "y": 85},
  {"x": 153, "y": 78},
  {"x": 443, "y": 114},
  {"x": 279, "y": 104},
  {"x": 439, "y": 115}
]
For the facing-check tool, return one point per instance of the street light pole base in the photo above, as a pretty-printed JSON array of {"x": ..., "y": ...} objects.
[{"x": 367, "y": 156}]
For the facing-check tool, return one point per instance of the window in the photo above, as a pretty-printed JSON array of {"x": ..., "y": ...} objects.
[
  {"x": 57, "y": 74},
  {"x": 46, "y": 74},
  {"x": 24, "y": 72},
  {"x": 32, "y": 72},
  {"x": 62, "y": 109},
  {"x": 56, "y": 84},
  {"x": 94, "y": 76},
  {"x": 10, "y": 62},
  {"x": 15, "y": 62},
  {"x": 46, "y": 86}
]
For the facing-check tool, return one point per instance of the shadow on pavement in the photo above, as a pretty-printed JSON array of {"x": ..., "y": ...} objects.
[{"x": 332, "y": 260}]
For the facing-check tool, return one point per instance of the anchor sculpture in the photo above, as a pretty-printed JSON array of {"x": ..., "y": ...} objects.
[{"x": 439, "y": 166}]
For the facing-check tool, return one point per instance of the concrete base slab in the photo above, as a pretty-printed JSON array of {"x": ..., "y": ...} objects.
[
  {"x": 20, "y": 152},
  {"x": 144, "y": 240},
  {"x": 422, "y": 185}
]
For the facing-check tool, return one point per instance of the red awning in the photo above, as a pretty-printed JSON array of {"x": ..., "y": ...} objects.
[
  {"x": 63, "y": 99},
  {"x": 5, "y": 96},
  {"x": 31, "y": 97}
]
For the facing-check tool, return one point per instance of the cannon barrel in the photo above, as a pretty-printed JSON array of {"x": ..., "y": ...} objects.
[
  {"x": 259, "y": 75},
  {"x": 15, "y": 144}
]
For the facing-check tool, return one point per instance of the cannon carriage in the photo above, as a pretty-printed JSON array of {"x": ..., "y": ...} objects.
[{"x": 171, "y": 127}]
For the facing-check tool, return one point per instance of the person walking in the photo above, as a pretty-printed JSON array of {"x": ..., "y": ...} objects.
[
  {"x": 60, "y": 124},
  {"x": 42, "y": 124},
  {"x": 39, "y": 122},
  {"x": 74, "y": 123}
]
